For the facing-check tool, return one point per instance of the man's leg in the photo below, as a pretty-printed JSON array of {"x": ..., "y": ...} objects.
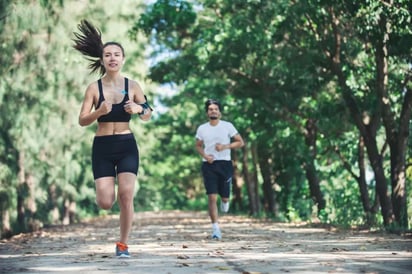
[
  {"x": 224, "y": 205},
  {"x": 212, "y": 201},
  {"x": 224, "y": 191}
]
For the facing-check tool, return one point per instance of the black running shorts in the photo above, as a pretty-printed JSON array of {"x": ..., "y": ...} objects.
[
  {"x": 217, "y": 177},
  {"x": 114, "y": 154}
]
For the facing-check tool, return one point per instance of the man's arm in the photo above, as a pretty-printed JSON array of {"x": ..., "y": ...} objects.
[
  {"x": 236, "y": 143},
  {"x": 201, "y": 151}
]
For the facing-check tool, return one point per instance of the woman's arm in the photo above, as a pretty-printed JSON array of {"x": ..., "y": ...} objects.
[
  {"x": 136, "y": 105},
  {"x": 87, "y": 116}
]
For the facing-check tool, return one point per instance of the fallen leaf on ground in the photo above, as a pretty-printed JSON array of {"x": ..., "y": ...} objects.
[
  {"x": 337, "y": 249},
  {"x": 183, "y": 257},
  {"x": 223, "y": 268}
]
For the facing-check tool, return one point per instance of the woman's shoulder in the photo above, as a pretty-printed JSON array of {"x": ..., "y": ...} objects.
[
  {"x": 135, "y": 89},
  {"x": 92, "y": 87},
  {"x": 93, "y": 84},
  {"x": 133, "y": 83}
]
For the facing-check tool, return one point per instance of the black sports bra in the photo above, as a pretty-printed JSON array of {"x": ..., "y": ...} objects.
[{"x": 118, "y": 114}]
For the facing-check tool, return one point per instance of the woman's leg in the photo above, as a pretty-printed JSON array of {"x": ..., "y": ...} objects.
[
  {"x": 125, "y": 195},
  {"x": 105, "y": 192}
]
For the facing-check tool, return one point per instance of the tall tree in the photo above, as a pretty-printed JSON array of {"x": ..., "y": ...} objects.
[
  {"x": 361, "y": 61},
  {"x": 276, "y": 57}
]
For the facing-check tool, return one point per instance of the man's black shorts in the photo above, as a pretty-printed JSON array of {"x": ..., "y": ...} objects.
[{"x": 217, "y": 177}]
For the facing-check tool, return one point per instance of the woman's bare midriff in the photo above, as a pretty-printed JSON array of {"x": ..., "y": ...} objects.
[{"x": 112, "y": 128}]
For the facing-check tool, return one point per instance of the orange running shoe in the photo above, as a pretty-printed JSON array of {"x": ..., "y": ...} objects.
[{"x": 122, "y": 250}]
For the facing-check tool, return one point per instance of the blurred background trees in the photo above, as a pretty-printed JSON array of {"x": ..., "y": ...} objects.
[{"x": 320, "y": 91}]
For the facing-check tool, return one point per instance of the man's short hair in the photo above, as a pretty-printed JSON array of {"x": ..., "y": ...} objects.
[{"x": 213, "y": 102}]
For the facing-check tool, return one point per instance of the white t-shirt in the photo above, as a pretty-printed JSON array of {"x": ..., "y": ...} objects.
[{"x": 212, "y": 135}]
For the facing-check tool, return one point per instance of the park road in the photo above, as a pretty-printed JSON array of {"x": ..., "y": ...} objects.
[{"x": 178, "y": 242}]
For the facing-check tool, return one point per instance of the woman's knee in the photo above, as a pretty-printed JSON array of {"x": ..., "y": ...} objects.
[
  {"x": 126, "y": 189},
  {"x": 105, "y": 203},
  {"x": 105, "y": 192},
  {"x": 126, "y": 198}
]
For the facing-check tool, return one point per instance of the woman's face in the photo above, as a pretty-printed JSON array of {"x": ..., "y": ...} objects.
[{"x": 112, "y": 58}]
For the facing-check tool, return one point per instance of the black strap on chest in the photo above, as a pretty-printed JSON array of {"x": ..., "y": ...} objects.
[{"x": 101, "y": 96}]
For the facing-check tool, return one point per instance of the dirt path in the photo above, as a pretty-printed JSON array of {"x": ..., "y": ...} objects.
[{"x": 178, "y": 242}]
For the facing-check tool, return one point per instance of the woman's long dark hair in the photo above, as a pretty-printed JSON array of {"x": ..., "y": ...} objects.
[{"x": 89, "y": 43}]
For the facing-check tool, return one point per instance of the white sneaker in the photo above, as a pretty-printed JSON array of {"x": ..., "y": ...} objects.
[
  {"x": 217, "y": 234},
  {"x": 224, "y": 207}
]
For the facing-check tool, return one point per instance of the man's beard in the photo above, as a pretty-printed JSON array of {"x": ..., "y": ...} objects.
[{"x": 213, "y": 117}]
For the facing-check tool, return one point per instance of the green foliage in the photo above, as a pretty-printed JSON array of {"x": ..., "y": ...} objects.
[
  {"x": 42, "y": 85},
  {"x": 271, "y": 62},
  {"x": 346, "y": 208}
]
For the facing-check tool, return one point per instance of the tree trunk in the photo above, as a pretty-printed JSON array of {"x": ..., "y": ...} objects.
[
  {"x": 367, "y": 129},
  {"x": 237, "y": 184},
  {"x": 53, "y": 202},
  {"x": 69, "y": 212},
  {"x": 368, "y": 133},
  {"x": 254, "y": 175},
  {"x": 26, "y": 203},
  {"x": 66, "y": 212},
  {"x": 381, "y": 183},
  {"x": 32, "y": 223},
  {"x": 5, "y": 225},
  {"x": 250, "y": 184},
  {"x": 72, "y": 212},
  {"x": 311, "y": 173},
  {"x": 398, "y": 162},
  {"x": 363, "y": 187},
  {"x": 361, "y": 179},
  {"x": 397, "y": 137},
  {"x": 21, "y": 193},
  {"x": 268, "y": 187}
]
